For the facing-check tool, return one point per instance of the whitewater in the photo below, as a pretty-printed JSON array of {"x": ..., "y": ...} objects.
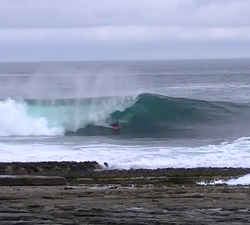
[{"x": 183, "y": 113}]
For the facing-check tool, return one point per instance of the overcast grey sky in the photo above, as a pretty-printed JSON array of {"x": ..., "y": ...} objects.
[{"x": 59, "y": 30}]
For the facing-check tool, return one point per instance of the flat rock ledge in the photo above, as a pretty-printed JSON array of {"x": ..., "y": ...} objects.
[
  {"x": 64, "y": 169},
  {"x": 27, "y": 180},
  {"x": 84, "y": 193}
]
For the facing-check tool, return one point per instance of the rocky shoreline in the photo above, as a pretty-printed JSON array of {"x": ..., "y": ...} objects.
[{"x": 89, "y": 193}]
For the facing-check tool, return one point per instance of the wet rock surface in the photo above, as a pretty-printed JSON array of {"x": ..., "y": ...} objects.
[
  {"x": 146, "y": 205},
  {"x": 168, "y": 196}
]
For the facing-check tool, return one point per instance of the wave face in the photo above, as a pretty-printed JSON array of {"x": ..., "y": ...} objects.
[
  {"x": 156, "y": 114},
  {"x": 145, "y": 114}
]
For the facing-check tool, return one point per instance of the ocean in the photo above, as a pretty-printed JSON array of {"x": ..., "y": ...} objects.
[{"x": 173, "y": 113}]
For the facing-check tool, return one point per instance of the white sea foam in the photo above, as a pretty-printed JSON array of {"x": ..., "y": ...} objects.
[
  {"x": 244, "y": 180},
  {"x": 233, "y": 154},
  {"x": 15, "y": 121}
]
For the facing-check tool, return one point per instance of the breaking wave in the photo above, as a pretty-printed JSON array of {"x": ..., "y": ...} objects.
[{"x": 145, "y": 114}]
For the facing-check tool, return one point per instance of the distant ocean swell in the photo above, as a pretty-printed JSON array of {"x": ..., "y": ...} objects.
[{"x": 145, "y": 114}]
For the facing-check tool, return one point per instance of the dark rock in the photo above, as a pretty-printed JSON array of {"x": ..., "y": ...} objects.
[
  {"x": 27, "y": 180},
  {"x": 66, "y": 169}
]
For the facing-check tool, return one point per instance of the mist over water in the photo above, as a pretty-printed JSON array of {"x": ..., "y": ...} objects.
[
  {"x": 64, "y": 80},
  {"x": 35, "y": 94}
]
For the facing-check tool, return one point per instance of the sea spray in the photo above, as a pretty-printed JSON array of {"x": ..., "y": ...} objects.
[
  {"x": 15, "y": 121},
  {"x": 54, "y": 117}
]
